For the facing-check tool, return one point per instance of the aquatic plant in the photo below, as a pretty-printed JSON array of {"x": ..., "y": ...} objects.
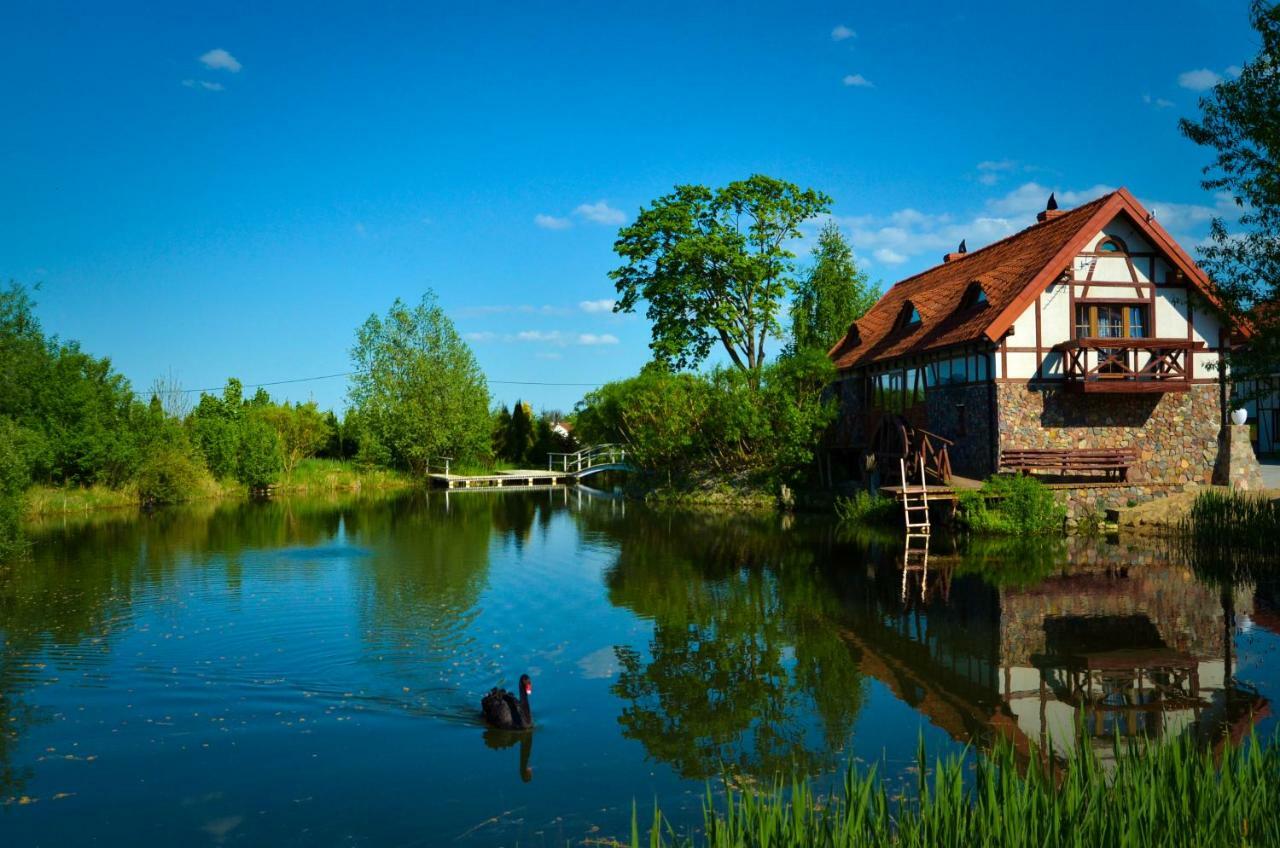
[
  {"x": 1160, "y": 794},
  {"x": 1224, "y": 517},
  {"x": 1012, "y": 505},
  {"x": 865, "y": 508}
]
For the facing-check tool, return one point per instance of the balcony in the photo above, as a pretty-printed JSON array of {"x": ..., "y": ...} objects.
[{"x": 1128, "y": 365}]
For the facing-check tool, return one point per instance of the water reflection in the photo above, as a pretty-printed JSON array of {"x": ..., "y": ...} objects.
[{"x": 360, "y": 633}]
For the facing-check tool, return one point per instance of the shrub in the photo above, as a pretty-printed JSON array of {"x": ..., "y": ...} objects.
[
  {"x": 13, "y": 483},
  {"x": 1012, "y": 504},
  {"x": 261, "y": 457},
  {"x": 866, "y": 508},
  {"x": 168, "y": 476}
]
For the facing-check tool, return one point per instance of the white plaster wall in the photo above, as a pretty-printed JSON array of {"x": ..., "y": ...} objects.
[
  {"x": 1055, "y": 315},
  {"x": 1022, "y": 365}
]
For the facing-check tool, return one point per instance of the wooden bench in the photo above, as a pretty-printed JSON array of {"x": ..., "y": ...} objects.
[{"x": 1110, "y": 461}]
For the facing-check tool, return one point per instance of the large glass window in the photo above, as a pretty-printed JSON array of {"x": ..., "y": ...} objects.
[{"x": 1111, "y": 321}]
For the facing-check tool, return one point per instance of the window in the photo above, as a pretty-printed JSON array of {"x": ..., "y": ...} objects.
[
  {"x": 1111, "y": 244},
  {"x": 973, "y": 296},
  {"x": 1111, "y": 321},
  {"x": 908, "y": 316}
]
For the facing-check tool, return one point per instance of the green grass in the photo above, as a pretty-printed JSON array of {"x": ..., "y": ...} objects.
[
  {"x": 866, "y": 508},
  {"x": 1012, "y": 505},
  {"x": 1170, "y": 794},
  {"x": 1226, "y": 518},
  {"x": 331, "y": 475}
]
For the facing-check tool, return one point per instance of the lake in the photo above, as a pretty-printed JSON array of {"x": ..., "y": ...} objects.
[{"x": 308, "y": 672}]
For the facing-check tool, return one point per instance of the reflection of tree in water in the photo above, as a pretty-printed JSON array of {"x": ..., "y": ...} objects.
[{"x": 741, "y": 659}]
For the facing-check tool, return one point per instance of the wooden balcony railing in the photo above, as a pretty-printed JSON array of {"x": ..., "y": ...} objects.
[{"x": 1128, "y": 365}]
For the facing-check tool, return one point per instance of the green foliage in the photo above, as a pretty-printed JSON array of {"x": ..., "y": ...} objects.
[
  {"x": 13, "y": 482},
  {"x": 1160, "y": 794},
  {"x": 302, "y": 428},
  {"x": 518, "y": 443},
  {"x": 1012, "y": 504},
  {"x": 74, "y": 411},
  {"x": 833, "y": 294},
  {"x": 169, "y": 475},
  {"x": 1240, "y": 121},
  {"x": 680, "y": 424},
  {"x": 261, "y": 457},
  {"x": 418, "y": 389},
  {"x": 1229, "y": 536},
  {"x": 865, "y": 508},
  {"x": 713, "y": 267}
]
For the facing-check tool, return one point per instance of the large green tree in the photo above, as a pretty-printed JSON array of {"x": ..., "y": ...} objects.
[
  {"x": 832, "y": 295},
  {"x": 418, "y": 389},
  {"x": 713, "y": 266},
  {"x": 1240, "y": 121}
]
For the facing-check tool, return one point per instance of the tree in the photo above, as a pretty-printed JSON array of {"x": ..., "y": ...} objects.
[
  {"x": 302, "y": 428},
  {"x": 501, "y": 431},
  {"x": 418, "y": 388},
  {"x": 831, "y": 296},
  {"x": 1240, "y": 120},
  {"x": 520, "y": 434},
  {"x": 260, "y": 457},
  {"x": 13, "y": 483},
  {"x": 713, "y": 267}
]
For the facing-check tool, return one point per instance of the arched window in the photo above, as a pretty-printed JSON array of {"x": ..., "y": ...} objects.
[
  {"x": 1111, "y": 244},
  {"x": 973, "y": 296}
]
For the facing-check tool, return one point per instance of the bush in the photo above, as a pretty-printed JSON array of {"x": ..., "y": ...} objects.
[
  {"x": 168, "y": 476},
  {"x": 866, "y": 508},
  {"x": 261, "y": 457},
  {"x": 13, "y": 484},
  {"x": 1013, "y": 505}
]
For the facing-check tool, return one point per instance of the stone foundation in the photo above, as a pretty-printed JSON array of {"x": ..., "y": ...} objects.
[
  {"x": 1175, "y": 433},
  {"x": 1237, "y": 463},
  {"x": 1084, "y": 501}
]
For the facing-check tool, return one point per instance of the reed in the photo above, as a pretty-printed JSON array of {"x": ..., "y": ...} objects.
[
  {"x": 1225, "y": 518},
  {"x": 866, "y": 508},
  {"x": 1162, "y": 794}
]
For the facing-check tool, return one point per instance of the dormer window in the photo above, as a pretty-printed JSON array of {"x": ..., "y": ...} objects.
[
  {"x": 1111, "y": 244},
  {"x": 973, "y": 296},
  {"x": 909, "y": 316}
]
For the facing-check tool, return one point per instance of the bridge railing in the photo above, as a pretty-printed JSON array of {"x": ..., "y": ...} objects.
[
  {"x": 439, "y": 465},
  {"x": 586, "y": 459}
]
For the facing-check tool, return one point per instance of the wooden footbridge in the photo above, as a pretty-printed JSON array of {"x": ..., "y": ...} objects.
[{"x": 563, "y": 469}]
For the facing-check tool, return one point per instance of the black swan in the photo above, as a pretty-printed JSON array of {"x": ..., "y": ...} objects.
[{"x": 503, "y": 711}]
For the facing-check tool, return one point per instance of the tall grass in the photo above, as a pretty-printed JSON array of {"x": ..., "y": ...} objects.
[
  {"x": 1223, "y": 517},
  {"x": 1172, "y": 794},
  {"x": 331, "y": 475},
  {"x": 865, "y": 508}
]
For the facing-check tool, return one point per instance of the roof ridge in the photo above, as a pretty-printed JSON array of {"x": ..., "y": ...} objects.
[{"x": 1066, "y": 214}]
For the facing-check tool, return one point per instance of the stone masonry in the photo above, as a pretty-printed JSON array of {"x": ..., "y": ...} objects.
[
  {"x": 1175, "y": 433},
  {"x": 963, "y": 415},
  {"x": 1237, "y": 463}
]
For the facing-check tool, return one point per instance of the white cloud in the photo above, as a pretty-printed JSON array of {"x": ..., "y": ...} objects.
[
  {"x": 991, "y": 170},
  {"x": 551, "y": 222},
  {"x": 539, "y": 336},
  {"x": 593, "y": 339},
  {"x": 1158, "y": 102},
  {"x": 1234, "y": 70},
  {"x": 205, "y": 84},
  {"x": 857, "y": 81},
  {"x": 842, "y": 32},
  {"x": 1201, "y": 79},
  {"x": 605, "y": 305},
  {"x": 220, "y": 60},
  {"x": 559, "y": 339},
  {"x": 889, "y": 256},
  {"x": 600, "y": 213}
]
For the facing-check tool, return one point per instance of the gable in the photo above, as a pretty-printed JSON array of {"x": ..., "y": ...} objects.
[{"x": 1012, "y": 273}]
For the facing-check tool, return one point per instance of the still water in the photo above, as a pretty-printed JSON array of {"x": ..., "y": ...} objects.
[{"x": 308, "y": 672}]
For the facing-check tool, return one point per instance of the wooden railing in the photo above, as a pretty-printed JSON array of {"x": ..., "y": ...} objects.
[
  {"x": 897, "y": 438},
  {"x": 1128, "y": 365},
  {"x": 586, "y": 459}
]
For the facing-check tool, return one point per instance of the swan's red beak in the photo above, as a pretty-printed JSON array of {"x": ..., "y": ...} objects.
[{"x": 528, "y": 688}]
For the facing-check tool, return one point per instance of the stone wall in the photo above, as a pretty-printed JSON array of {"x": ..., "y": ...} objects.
[
  {"x": 1237, "y": 463},
  {"x": 1175, "y": 433},
  {"x": 963, "y": 415}
]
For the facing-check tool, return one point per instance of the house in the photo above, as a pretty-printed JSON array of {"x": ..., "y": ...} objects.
[
  {"x": 1091, "y": 330},
  {"x": 563, "y": 429}
]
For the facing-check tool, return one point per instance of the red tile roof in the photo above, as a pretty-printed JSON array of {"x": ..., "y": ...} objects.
[{"x": 1006, "y": 270}]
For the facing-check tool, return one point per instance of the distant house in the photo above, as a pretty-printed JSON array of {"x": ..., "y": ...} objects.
[
  {"x": 1091, "y": 330},
  {"x": 563, "y": 429}
]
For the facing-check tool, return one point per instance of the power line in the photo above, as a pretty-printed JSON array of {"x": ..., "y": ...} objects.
[{"x": 347, "y": 374}]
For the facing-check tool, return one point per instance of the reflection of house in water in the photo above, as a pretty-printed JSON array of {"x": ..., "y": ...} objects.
[{"x": 1143, "y": 651}]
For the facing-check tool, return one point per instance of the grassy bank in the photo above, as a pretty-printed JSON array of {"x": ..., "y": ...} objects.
[
  {"x": 1172, "y": 794},
  {"x": 311, "y": 476}
]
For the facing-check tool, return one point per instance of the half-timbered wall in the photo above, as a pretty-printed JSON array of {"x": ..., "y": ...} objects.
[{"x": 1116, "y": 270}]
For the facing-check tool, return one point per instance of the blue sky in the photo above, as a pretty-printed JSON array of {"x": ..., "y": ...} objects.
[{"x": 230, "y": 189}]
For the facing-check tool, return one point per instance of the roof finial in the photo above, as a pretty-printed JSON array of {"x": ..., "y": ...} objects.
[
  {"x": 963, "y": 247},
  {"x": 1053, "y": 202}
]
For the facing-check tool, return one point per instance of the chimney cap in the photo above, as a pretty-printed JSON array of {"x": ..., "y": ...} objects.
[
  {"x": 963, "y": 247},
  {"x": 1051, "y": 209}
]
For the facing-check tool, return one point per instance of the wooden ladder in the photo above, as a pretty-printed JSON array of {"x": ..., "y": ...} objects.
[
  {"x": 915, "y": 502},
  {"x": 915, "y": 560}
]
